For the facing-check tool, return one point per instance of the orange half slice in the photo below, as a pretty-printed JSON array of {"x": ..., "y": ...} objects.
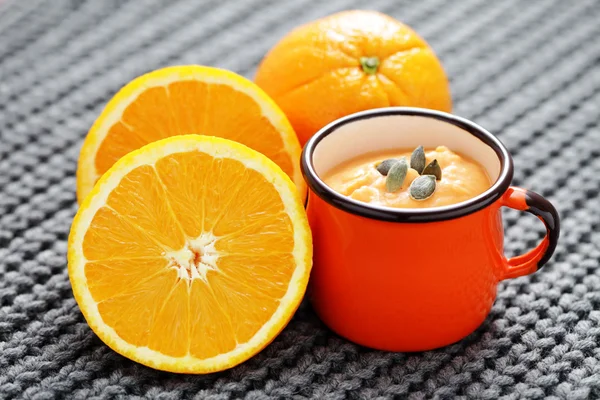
[
  {"x": 183, "y": 100},
  {"x": 190, "y": 254}
]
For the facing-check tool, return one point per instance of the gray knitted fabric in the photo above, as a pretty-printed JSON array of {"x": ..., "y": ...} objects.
[{"x": 527, "y": 71}]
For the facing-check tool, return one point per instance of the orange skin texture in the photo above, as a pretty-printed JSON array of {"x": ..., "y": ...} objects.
[{"x": 315, "y": 75}]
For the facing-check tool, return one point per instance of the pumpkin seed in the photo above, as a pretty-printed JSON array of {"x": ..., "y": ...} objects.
[
  {"x": 433, "y": 168},
  {"x": 396, "y": 176},
  {"x": 384, "y": 166},
  {"x": 422, "y": 187},
  {"x": 417, "y": 159}
]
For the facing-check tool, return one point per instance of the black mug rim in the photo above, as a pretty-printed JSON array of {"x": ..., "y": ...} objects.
[{"x": 389, "y": 214}]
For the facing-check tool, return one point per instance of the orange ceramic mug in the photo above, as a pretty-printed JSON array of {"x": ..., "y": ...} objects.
[{"x": 413, "y": 279}]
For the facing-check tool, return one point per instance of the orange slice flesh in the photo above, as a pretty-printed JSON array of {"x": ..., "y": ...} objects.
[
  {"x": 184, "y": 100},
  {"x": 191, "y": 254}
]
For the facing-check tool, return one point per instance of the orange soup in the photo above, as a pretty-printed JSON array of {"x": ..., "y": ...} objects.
[{"x": 461, "y": 179}]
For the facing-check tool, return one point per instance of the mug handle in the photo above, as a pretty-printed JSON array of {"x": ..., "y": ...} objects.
[{"x": 526, "y": 200}]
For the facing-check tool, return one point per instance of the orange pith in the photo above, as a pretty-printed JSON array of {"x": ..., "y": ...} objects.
[
  {"x": 317, "y": 73},
  {"x": 194, "y": 260},
  {"x": 187, "y": 100}
]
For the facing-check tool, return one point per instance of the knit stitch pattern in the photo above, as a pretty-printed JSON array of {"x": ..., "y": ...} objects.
[{"x": 528, "y": 71}]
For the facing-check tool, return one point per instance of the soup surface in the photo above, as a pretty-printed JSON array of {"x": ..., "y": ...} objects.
[{"x": 359, "y": 179}]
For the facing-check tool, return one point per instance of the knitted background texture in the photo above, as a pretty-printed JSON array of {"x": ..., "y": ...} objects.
[{"x": 527, "y": 71}]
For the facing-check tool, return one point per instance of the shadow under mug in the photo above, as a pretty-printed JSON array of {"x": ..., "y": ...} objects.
[{"x": 412, "y": 279}]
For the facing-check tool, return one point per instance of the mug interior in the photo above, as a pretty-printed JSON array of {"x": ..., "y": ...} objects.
[
  {"x": 404, "y": 128},
  {"x": 402, "y": 132}
]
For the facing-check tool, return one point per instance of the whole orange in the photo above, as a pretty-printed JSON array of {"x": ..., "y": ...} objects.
[{"x": 348, "y": 62}]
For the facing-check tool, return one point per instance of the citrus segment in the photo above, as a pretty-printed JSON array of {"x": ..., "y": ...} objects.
[
  {"x": 258, "y": 269},
  {"x": 246, "y": 307},
  {"x": 133, "y": 313},
  {"x": 195, "y": 94},
  {"x": 190, "y": 254},
  {"x": 149, "y": 116},
  {"x": 118, "y": 141},
  {"x": 103, "y": 285},
  {"x": 187, "y": 100},
  {"x": 110, "y": 236},
  {"x": 266, "y": 237},
  {"x": 220, "y": 192},
  {"x": 211, "y": 330},
  {"x": 172, "y": 322},
  {"x": 186, "y": 196},
  {"x": 140, "y": 198}
]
